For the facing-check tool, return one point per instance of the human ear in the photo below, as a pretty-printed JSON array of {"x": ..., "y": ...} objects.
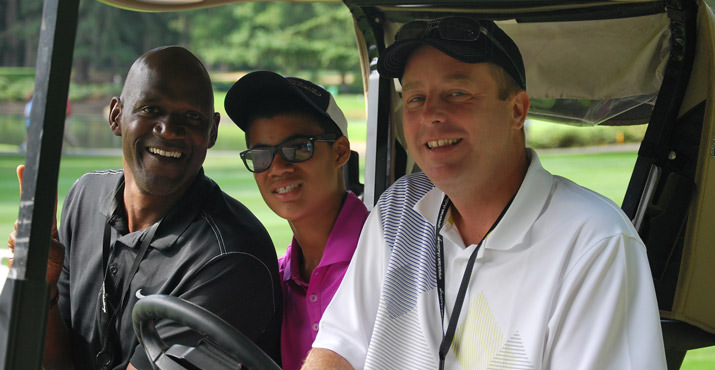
[
  {"x": 213, "y": 130},
  {"x": 520, "y": 107},
  {"x": 115, "y": 114},
  {"x": 341, "y": 147}
]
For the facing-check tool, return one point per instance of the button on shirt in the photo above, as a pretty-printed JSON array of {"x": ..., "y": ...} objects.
[{"x": 305, "y": 302}]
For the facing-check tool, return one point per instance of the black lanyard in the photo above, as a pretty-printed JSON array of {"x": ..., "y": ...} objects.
[
  {"x": 105, "y": 357},
  {"x": 448, "y": 336}
]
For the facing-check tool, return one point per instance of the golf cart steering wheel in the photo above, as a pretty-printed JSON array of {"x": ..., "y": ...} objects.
[{"x": 223, "y": 347}]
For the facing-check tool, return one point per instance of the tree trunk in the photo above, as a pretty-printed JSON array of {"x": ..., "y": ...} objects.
[{"x": 11, "y": 54}]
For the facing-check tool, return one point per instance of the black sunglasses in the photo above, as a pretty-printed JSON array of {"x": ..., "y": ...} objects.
[
  {"x": 294, "y": 149},
  {"x": 452, "y": 29}
]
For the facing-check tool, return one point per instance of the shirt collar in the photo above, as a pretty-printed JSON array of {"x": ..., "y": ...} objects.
[
  {"x": 172, "y": 225},
  {"x": 183, "y": 213},
  {"x": 526, "y": 207},
  {"x": 341, "y": 241},
  {"x": 345, "y": 232}
]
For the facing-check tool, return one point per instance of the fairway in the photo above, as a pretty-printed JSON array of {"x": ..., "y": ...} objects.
[{"x": 606, "y": 173}]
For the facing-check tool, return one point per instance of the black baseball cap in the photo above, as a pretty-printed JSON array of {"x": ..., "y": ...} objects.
[
  {"x": 466, "y": 39},
  {"x": 263, "y": 88}
]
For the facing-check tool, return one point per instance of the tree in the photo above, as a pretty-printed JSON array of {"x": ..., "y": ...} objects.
[
  {"x": 19, "y": 31},
  {"x": 286, "y": 37}
]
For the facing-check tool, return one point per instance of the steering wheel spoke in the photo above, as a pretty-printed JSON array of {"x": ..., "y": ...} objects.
[{"x": 223, "y": 347}]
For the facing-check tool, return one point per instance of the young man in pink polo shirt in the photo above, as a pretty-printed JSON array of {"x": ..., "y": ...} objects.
[{"x": 297, "y": 146}]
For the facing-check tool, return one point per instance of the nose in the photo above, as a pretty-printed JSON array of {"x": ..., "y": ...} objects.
[
  {"x": 433, "y": 111},
  {"x": 280, "y": 165},
  {"x": 169, "y": 127}
]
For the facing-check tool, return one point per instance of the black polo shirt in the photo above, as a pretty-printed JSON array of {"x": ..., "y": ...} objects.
[{"x": 209, "y": 249}]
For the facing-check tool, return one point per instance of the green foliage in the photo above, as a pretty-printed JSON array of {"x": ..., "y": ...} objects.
[
  {"x": 94, "y": 91},
  {"x": 541, "y": 134},
  {"x": 12, "y": 129},
  {"x": 15, "y": 88},
  {"x": 286, "y": 37}
]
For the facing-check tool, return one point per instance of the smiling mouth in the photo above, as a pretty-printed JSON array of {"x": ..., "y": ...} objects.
[
  {"x": 442, "y": 143},
  {"x": 164, "y": 153},
  {"x": 286, "y": 189}
]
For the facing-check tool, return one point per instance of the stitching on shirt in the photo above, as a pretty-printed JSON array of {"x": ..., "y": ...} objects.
[
  {"x": 106, "y": 172},
  {"x": 217, "y": 232},
  {"x": 265, "y": 267}
]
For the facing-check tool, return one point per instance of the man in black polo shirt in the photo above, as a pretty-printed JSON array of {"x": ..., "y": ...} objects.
[{"x": 159, "y": 224}]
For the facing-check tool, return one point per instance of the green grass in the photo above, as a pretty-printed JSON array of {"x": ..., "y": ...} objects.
[{"x": 606, "y": 173}]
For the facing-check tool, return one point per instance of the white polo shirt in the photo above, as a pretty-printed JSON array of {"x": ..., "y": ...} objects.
[{"x": 562, "y": 282}]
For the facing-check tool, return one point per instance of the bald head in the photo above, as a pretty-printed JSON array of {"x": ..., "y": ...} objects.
[{"x": 172, "y": 64}]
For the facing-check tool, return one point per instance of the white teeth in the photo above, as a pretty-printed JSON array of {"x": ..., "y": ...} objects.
[
  {"x": 286, "y": 189},
  {"x": 164, "y": 153},
  {"x": 442, "y": 142}
]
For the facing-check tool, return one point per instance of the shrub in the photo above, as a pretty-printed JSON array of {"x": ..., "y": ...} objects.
[{"x": 542, "y": 134}]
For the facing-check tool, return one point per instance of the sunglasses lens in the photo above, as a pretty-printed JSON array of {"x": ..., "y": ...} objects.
[
  {"x": 297, "y": 150},
  {"x": 452, "y": 28},
  {"x": 258, "y": 159}
]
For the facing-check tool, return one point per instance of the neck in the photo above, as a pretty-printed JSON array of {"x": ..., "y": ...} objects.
[
  {"x": 475, "y": 210},
  {"x": 312, "y": 235},
  {"x": 143, "y": 210}
]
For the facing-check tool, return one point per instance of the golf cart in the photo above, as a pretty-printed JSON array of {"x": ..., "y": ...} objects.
[{"x": 597, "y": 62}]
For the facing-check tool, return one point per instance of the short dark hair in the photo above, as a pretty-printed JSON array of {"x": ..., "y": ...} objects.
[{"x": 506, "y": 84}]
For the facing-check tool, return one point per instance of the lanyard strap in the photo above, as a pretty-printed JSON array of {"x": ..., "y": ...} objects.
[
  {"x": 105, "y": 357},
  {"x": 448, "y": 336}
]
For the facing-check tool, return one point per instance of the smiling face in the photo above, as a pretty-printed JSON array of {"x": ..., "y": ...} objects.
[
  {"x": 166, "y": 120},
  {"x": 297, "y": 191},
  {"x": 457, "y": 128}
]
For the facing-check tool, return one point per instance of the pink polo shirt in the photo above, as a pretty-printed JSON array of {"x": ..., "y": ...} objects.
[{"x": 304, "y": 303}]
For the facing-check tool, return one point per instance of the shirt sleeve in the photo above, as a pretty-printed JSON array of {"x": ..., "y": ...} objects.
[
  {"x": 347, "y": 324},
  {"x": 252, "y": 307},
  {"x": 611, "y": 286}
]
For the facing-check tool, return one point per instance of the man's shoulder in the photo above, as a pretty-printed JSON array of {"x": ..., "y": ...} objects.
[
  {"x": 580, "y": 204},
  {"x": 229, "y": 216},
  {"x": 218, "y": 204},
  {"x": 101, "y": 176},
  {"x": 407, "y": 190},
  {"x": 96, "y": 183}
]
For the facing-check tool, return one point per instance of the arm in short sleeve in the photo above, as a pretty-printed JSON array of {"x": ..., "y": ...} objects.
[
  {"x": 607, "y": 316},
  {"x": 237, "y": 287},
  {"x": 346, "y": 325}
]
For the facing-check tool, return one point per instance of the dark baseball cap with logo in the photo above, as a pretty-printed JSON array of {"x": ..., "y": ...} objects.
[
  {"x": 465, "y": 39},
  {"x": 262, "y": 88}
]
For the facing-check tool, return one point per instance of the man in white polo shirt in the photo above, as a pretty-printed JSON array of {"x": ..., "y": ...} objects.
[{"x": 485, "y": 260}]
